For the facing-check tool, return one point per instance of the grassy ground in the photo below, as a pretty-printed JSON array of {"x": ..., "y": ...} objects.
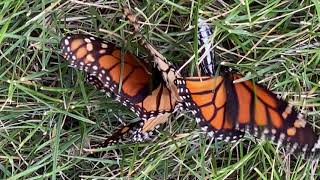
[{"x": 49, "y": 115}]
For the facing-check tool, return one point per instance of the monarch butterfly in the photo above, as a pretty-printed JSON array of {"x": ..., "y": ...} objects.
[
  {"x": 226, "y": 110},
  {"x": 244, "y": 106},
  {"x": 221, "y": 106},
  {"x": 128, "y": 83}
]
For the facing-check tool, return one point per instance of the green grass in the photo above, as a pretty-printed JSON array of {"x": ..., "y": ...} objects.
[{"x": 49, "y": 115}]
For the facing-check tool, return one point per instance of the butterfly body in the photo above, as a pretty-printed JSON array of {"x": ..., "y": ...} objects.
[{"x": 207, "y": 50}]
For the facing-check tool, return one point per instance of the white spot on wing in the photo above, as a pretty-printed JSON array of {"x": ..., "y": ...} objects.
[
  {"x": 66, "y": 42},
  {"x": 95, "y": 67},
  {"x": 89, "y": 47},
  {"x": 104, "y": 45}
]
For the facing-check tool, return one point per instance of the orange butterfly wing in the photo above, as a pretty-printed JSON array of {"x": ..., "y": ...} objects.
[
  {"x": 128, "y": 81},
  {"x": 207, "y": 100},
  {"x": 225, "y": 109},
  {"x": 103, "y": 59}
]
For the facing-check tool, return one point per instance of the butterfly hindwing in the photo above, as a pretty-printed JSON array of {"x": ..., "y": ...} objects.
[{"x": 267, "y": 115}]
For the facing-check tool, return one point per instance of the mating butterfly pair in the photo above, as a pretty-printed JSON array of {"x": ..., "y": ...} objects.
[{"x": 223, "y": 108}]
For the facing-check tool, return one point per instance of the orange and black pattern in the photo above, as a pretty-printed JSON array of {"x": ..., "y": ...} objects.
[
  {"x": 122, "y": 76},
  {"x": 225, "y": 109}
]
